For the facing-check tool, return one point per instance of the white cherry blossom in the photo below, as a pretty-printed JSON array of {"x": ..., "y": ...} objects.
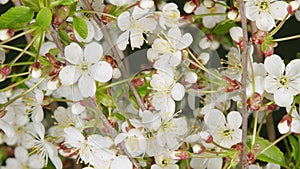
[
  {"x": 165, "y": 92},
  {"x": 85, "y": 67},
  {"x": 212, "y": 20},
  {"x": 167, "y": 52},
  {"x": 283, "y": 85},
  {"x": 133, "y": 26},
  {"x": 265, "y": 12},
  {"x": 224, "y": 132}
]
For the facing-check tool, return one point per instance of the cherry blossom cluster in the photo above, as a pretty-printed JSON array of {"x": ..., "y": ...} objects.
[{"x": 73, "y": 101}]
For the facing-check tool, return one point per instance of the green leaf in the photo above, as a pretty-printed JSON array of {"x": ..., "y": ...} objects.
[
  {"x": 80, "y": 27},
  {"x": 68, "y": 2},
  {"x": 119, "y": 116},
  {"x": 44, "y": 17},
  {"x": 105, "y": 99},
  {"x": 16, "y": 17},
  {"x": 223, "y": 27},
  {"x": 33, "y": 4},
  {"x": 273, "y": 154},
  {"x": 64, "y": 37},
  {"x": 295, "y": 147},
  {"x": 3, "y": 154},
  {"x": 263, "y": 46}
]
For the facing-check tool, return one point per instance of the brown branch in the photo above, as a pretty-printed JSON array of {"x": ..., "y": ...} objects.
[
  {"x": 56, "y": 40},
  {"x": 244, "y": 79}
]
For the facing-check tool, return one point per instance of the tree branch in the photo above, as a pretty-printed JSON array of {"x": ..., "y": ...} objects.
[
  {"x": 56, "y": 40},
  {"x": 244, "y": 78}
]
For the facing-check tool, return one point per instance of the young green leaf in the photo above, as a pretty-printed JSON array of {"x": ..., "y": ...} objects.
[
  {"x": 16, "y": 17},
  {"x": 80, "y": 27},
  {"x": 33, "y": 4},
  {"x": 295, "y": 147},
  {"x": 273, "y": 154},
  {"x": 44, "y": 17}
]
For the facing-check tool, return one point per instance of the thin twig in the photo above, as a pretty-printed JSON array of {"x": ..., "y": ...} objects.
[
  {"x": 244, "y": 78},
  {"x": 56, "y": 40},
  {"x": 116, "y": 56}
]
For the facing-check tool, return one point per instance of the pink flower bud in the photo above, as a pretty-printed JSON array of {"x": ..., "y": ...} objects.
[
  {"x": 36, "y": 70},
  {"x": 4, "y": 72},
  {"x": 293, "y": 7},
  {"x": 284, "y": 125},
  {"x": 207, "y": 137}
]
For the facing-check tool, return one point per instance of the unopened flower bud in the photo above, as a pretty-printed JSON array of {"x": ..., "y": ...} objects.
[
  {"x": 209, "y": 3},
  {"x": 207, "y": 137},
  {"x": 191, "y": 77},
  {"x": 60, "y": 16},
  {"x": 146, "y": 4},
  {"x": 116, "y": 73},
  {"x": 284, "y": 125},
  {"x": 6, "y": 34},
  {"x": 293, "y": 7},
  {"x": 36, "y": 70},
  {"x": 250, "y": 157},
  {"x": 233, "y": 14},
  {"x": 189, "y": 7},
  {"x": 180, "y": 155},
  {"x": 197, "y": 149},
  {"x": 4, "y": 72}
]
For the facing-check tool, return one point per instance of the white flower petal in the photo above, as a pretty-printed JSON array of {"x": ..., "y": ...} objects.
[
  {"x": 215, "y": 163},
  {"x": 37, "y": 114},
  {"x": 274, "y": 65},
  {"x": 69, "y": 75},
  {"x": 283, "y": 127},
  {"x": 35, "y": 161},
  {"x": 124, "y": 21},
  {"x": 73, "y": 53},
  {"x": 265, "y": 22},
  {"x": 102, "y": 71},
  {"x": 295, "y": 126},
  {"x": 136, "y": 39},
  {"x": 283, "y": 97},
  {"x": 93, "y": 52},
  {"x": 214, "y": 118},
  {"x": 279, "y": 9},
  {"x": 271, "y": 84},
  {"x": 40, "y": 129},
  {"x": 252, "y": 11},
  {"x": 122, "y": 41},
  {"x": 21, "y": 154},
  {"x": 292, "y": 69},
  {"x": 234, "y": 119},
  {"x": 236, "y": 33},
  {"x": 121, "y": 162},
  {"x": 185, "y": 41},
  {"x": 73, "y": 136},
  {"x": 178, "y": 91},
  {"x": 87, "y": 86},
  {"x": 77, "y": 108}
]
